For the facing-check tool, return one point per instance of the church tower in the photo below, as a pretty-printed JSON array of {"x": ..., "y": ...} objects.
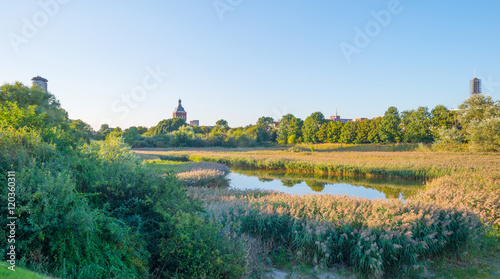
[{"x": 179, "y": 112}]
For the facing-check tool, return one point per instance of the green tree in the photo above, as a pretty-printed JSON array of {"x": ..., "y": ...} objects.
[
  {"x": 44, "y": 102},
  {"x": 104, "y": 130},
  {"x": 330, "y": 131},
  {"x": 417, "y": 124},
  {"x": 202, "y": 129},
  {"x": 477, "y": 108},
  {"x": 284, "y": 129},
  {"x": 348, "y": 134},
  {"x": 322, "y": 134},
  {"x": 54, "y": 126},
  {"x": 81, "y": 131},
  {"x": 484, "y": 135},
  {"x": 166, "y": 126},
  {"x": 373, "y": 135},
  {"x": 442, "y": 117},
  {"x": 11, "y": 115},
  {"x": 265, "y": 129},
  {"x": 295, "y": 131},
  {"x": 242, "y": 138},
  {"x": 448, "y": 139},
  {"x": 311, "y": 126},
  {"x": 221, "y": 125},
  {"x": 334, "y": 131},
  {"x": 480, "y": 118},
  {"x": 185, "y": 136},
  {"x": 390, "y": 130},
  {"x": 363, "y": 131},
  {"x": 217, "y": 137}
]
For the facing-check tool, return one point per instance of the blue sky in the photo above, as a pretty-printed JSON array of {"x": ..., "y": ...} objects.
[{"x": 127, "y": 63}]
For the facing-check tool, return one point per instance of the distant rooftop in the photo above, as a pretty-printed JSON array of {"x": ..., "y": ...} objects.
[
  {"x": 40, "y": 78},
  {"x": 179, "y": 108}
]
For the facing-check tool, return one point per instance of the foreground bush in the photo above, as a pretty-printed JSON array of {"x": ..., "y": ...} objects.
[
  {"x": 198, "y": 249},
  {"x": 57, "y": 223},
  {"x": 97, "y": 212}
]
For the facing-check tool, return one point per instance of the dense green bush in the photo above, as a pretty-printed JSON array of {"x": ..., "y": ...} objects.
[
  {"x": 95, "y": 211},
  {"x": 100, "y": 213},
  {"x": 56, "y": 221},
  {"x": 199, "y": 249}
]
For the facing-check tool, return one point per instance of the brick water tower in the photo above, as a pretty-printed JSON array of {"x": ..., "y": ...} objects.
[{"x": 40, "y": 82}]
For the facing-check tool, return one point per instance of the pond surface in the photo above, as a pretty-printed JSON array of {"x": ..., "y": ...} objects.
[{"x": 308, "y": 183}]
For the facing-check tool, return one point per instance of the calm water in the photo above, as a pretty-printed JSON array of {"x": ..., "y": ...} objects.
[{"x": 300, "y": 183}]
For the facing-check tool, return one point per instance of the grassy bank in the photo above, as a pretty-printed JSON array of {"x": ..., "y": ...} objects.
[
  {"x": 411, "y": 164},
  {"x": 20, "y": 273}
]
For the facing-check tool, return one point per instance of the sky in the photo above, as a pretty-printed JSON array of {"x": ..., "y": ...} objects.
[{"x": 127, "y": 63}]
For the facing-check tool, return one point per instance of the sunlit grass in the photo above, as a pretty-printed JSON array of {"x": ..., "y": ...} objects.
[
  {"x": 373, "y": 237},
  {"x": 19, "y": 273},
  {"x": 404, "y": 164}
]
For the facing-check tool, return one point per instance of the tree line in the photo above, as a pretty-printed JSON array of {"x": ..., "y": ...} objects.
[{"x": 474, "y": 125}]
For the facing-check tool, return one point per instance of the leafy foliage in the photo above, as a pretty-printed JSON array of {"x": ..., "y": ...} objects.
[
  {"x": 166, "y": 126},
  {"x": 94, "y": 210},
  {"x": 417, "y": 124},
  {"x": 389, "y": 130},
  {"x": 199, "y": 249},
  {"x": 44, "y": 102},
  {"x": 265, "y": 129},
  {"x": 311, "y": 127}
]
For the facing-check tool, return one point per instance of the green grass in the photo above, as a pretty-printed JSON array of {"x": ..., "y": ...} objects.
[
  {"x": 20, "y": 273},
  {"x": 476, "y": 260},
  {"x": 348, "y": 147},
  {"x": 167, "y": 166}
]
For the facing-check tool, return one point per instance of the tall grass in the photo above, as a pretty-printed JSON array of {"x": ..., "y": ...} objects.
[
  {"x": 478, "y": 191},
  {"x": 204, "y": 174},
  {"x": 373, "y": 237}
]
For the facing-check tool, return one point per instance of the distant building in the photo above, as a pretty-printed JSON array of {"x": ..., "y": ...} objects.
[
  {"x": 274, "y": 124},
  {"x": 40, "y": 82},
  {"x": 179, "y": 112},
  {"x": 194, "y": 123},
  {"x": 475, "y": 86},
  {"x": 337, "y": 118}
]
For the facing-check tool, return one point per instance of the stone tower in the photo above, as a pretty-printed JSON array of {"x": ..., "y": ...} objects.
[
  {"x": 179, "y": 112},
  {"x": 40, "y": 82}
]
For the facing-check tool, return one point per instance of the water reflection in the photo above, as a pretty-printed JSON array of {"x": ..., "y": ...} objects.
[{"x": 305, "y": 183}]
